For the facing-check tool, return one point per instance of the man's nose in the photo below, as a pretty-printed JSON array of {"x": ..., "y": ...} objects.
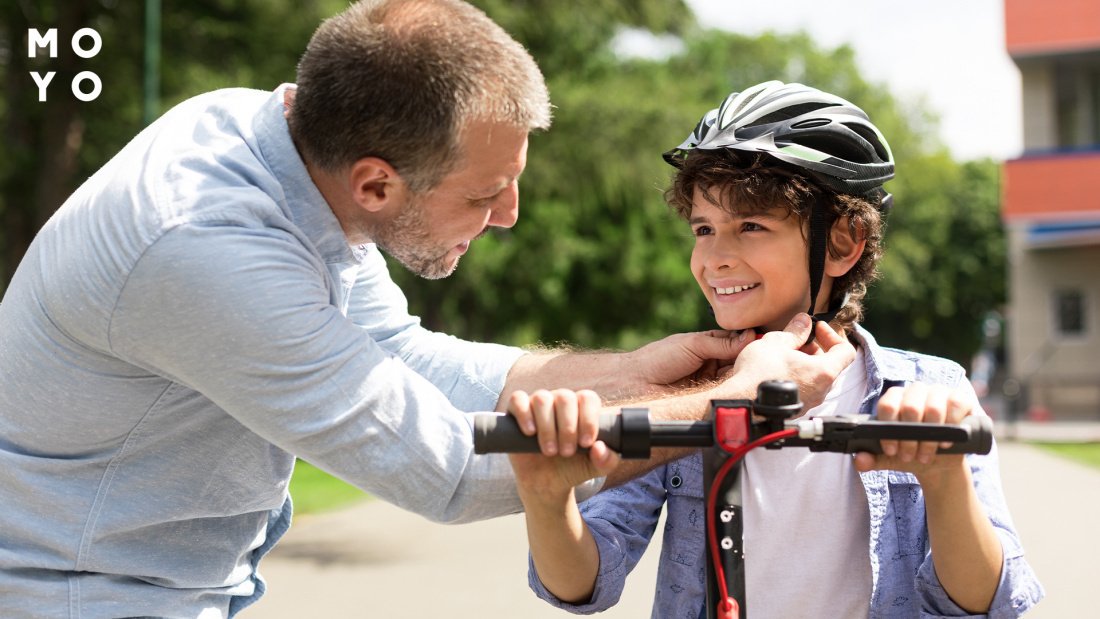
[{"x": 505, "y": 211}]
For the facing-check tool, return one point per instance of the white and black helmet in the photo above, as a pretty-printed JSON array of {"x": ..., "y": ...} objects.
[{"x": 827, "y": 137}]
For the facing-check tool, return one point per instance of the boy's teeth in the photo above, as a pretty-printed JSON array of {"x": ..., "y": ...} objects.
[{"x": 734, "y": 289}]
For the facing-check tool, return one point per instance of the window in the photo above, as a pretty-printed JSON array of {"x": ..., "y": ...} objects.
[
  {"x": 1069, "y": 313},
  {"x": 1077, "y": 102}
]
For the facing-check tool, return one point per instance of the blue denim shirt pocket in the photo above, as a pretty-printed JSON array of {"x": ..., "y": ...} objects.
[
  {"x": 907, "y": 513},
  {"x": 683, "y": 547}
]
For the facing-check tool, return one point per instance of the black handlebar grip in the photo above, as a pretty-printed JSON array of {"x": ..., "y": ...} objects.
[
  {"x": 627, "y": 434},
  {"x": 501, "y": 434},
  {"x": 973, "y": 435}
]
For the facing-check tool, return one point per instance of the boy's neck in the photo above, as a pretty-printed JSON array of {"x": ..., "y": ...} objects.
[{"x": 841, "y": 331}]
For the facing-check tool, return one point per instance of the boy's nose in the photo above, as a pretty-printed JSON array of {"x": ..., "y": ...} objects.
[{"x": 722, "y": 257}]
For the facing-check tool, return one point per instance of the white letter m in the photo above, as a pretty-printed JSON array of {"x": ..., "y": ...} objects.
[{"x": 36, "y": 40}]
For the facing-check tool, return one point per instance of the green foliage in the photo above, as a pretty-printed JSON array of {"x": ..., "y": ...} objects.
[
  {"x": 597, "y": 259},
  {"x": 574, "y": 37},
  {"x": 52, "y": 146},
  {"x": 945, "y": 264}
]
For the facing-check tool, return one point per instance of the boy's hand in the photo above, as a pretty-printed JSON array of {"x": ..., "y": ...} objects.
[
  {"x": 918, "y": 402},
  {"x": 564, "y": 422}
]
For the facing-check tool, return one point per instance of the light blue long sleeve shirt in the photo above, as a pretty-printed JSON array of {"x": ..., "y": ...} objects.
[
  {"x": 190, "y": 320},
  {"x": 624, "y": 519}
]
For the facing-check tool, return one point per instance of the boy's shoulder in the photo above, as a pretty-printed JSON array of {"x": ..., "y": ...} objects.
[{"x": 898, "y": 364}]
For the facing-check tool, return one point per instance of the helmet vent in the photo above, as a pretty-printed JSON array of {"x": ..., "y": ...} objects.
[
  {"x": 874, "y": 140},
  {"x": 811, "y": 123},
  {"x": 787, "y": 112}
]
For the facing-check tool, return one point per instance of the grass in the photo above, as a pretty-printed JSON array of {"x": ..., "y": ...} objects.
[
  {"x": 314, "y": 490},
  {"x": 1085, "y": 453}
]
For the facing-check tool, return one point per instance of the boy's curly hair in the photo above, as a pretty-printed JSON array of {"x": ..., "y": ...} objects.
[{"x": 754, "y": 183}]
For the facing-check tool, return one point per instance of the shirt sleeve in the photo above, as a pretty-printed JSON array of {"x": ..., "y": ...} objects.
[
  {"x": 622, "y": 521},
  {"x": 1019, "y": 588},
  {"x": 245, "y": 317},
  {"x": 470, "y": 374}
]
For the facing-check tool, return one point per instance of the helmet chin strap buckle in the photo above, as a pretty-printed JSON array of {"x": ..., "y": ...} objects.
[{"x": 827, "y": 316}]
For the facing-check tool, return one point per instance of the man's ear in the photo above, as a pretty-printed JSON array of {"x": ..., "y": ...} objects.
[
  {"x": 375, "y": 184},
  {"x": 847, "y": 249}
]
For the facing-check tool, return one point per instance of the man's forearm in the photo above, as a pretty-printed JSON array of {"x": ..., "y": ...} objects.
[
  {"x": 669, "y": 376},
  {"x": 603, "y": 372},
  {"x": 689, "y": 405},
  {"x": 569, "y": 370}
]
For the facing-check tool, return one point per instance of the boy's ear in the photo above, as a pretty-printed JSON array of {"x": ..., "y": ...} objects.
[
  {"x": 375, "y": 184},
  {"x": 847, "y": 249}
]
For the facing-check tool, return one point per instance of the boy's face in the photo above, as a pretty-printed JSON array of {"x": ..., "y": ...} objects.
[{"x": 751, "y": 267}]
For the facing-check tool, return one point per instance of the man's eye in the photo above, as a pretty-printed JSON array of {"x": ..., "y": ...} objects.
[{"x": 483, "y": 202}]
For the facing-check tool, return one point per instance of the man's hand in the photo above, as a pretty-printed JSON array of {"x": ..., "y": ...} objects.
[
  {"x": 684, "y": 359},
  {"x": 783, "y": 355},
  {"x": 564, "y": 421},
  {"x": 918, "y": 402}
]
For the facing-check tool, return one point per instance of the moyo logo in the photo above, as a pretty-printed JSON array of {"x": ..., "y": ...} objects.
[{"x": 36, "y": 41}]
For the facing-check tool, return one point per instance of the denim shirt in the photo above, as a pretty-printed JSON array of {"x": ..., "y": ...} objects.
[
  {"x": 904, "y": 583},
  {"x": 190, "y": 320}
]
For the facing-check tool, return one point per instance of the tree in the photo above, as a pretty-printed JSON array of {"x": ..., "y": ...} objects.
[
  {"x": 52, "y": 146},
  {"x": 945, "y": 264},
  {"x": 597, "y": 259}
]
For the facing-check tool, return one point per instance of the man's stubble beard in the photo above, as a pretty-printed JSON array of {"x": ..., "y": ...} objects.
[{"x": 407, "y": 240}]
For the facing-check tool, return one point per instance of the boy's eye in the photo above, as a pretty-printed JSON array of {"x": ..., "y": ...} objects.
[
  {"x": 702, "y": 231},
  {"x": 751, "y": 226}
]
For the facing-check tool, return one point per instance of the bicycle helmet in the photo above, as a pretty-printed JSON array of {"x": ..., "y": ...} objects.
[{"x": 823, "y": 135}]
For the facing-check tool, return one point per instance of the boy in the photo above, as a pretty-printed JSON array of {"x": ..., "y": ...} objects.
[{"x": 780, "y": 176}]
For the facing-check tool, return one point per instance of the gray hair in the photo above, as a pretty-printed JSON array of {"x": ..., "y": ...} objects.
[{"x": 401, "y": 80}]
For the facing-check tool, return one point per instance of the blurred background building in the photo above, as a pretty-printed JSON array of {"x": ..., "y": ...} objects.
[{"x": 1051, "y": 211}]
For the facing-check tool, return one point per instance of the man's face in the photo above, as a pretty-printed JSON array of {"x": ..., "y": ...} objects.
[
  {"x": 432, "y": 230},
  {"x": 752, "y": 268}
]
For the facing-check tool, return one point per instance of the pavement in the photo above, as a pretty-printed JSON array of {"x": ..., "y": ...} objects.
[{"x": 374, "y": 560}]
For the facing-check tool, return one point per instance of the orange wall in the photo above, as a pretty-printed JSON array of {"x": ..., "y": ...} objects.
[
  {"x": 1051, "y": 185},
  {"x": 1041, "y": 26}
]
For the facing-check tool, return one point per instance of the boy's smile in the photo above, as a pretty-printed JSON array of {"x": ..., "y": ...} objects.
[{"x": 751, "y": 266}]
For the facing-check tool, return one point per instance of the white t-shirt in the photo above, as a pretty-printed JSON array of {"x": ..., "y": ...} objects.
[{"x": 806, "y": 521}]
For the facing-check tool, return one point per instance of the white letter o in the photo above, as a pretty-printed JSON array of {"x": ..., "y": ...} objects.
[
  {"x": 97, "y": 86},
  {"x": 97, "y": 42}
]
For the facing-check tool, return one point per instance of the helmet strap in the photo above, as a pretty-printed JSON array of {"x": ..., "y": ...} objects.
[
  {"x": 820, "y": 223},
  {"x": 819, "y": 240}
]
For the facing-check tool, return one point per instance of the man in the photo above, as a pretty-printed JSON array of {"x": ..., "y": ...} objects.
[{"x": 213, "y": 303}]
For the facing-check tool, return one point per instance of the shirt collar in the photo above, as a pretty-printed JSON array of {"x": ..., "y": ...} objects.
[
  {"x": 883, "y": 370},
  {"x": 304, "y": 203}
]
